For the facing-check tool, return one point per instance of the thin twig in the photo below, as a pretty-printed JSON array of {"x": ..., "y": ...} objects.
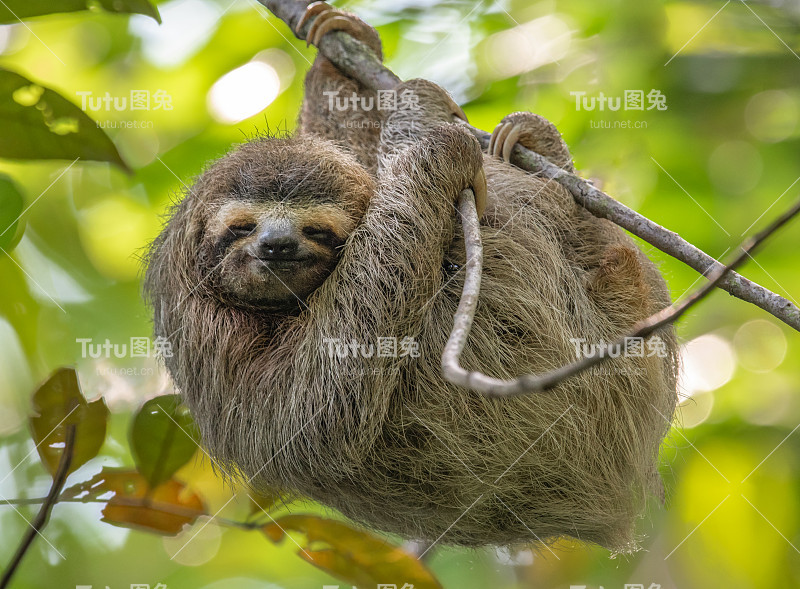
[
  {"x": 44, "y": 512},
  {"x": 359, "y": 62},
  {"x": 169, "y": 508},
  {"x": 532, "y": 383}
]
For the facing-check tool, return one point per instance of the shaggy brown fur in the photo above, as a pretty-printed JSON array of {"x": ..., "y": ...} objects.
[
  {"x": 386, "y": 440},
  {"x": 356, "y": 131}
]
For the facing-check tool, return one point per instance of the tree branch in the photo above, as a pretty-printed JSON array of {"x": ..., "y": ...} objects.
[
  {"x": 351, "y": 56},
  {"x": 44, "y": 512},
  {"x": 357, "y": 61},
  {"x": 532, "y": 383},
  {"x": 601, "y": 205}
]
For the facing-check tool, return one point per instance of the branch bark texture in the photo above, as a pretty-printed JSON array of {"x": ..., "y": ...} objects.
[{"x": 357, "y": 61}]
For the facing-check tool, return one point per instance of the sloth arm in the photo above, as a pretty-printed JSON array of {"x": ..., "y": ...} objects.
[
  {"x": 352, "y": 127},
  {"x": 392, "y": 261},
  {"x": 394, "y": 257},
  {"x": 389, "y": 270}
]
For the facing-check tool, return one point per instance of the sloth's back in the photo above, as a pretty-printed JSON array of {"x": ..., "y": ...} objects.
[{"x": 578, "y": 460}]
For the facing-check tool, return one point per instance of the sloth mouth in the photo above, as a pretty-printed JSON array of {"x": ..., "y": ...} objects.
[{"x": 283, "y": 262}]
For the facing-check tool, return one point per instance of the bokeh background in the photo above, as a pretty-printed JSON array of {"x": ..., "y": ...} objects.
[{"x": 717, "y": 163}]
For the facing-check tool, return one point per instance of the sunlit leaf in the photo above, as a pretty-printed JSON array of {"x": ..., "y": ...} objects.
[
  {"x": 353, "y": 555},
  {"x": 162, "y": 438},
  {"x": 164, "y": 509},
  {"x": 57, "y": 403},
  {"x": 12, "y": 11},
  {"x": 39, "y": 123},
  {"x": 11, "y": 204}
]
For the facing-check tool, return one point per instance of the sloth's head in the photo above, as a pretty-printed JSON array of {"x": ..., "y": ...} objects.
[{"x": 264, "y": 225}]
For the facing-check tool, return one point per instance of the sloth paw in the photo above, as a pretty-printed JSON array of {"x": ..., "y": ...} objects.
[
  {"x": 533, "y": 132},
  {"x": 433, "y": 101},
  {"x": 330, "y": 19},
  {"x": 454, "y": 157}
]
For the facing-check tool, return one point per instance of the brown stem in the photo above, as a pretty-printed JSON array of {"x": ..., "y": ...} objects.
[
  {"x": 601, "y": 205},
  {"x": 532, "y": 383},
  {"x": 359, "y": 62},
  {"x": 41, "y": 518},
  {"x": 351, "y": 56},
  {"x": 163, "y": 507}
]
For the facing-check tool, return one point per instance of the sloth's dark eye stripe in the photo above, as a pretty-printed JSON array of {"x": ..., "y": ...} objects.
[{"x": 242, "y": 230}]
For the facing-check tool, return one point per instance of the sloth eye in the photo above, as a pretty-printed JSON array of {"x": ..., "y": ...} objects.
[
  {"x": 243, "y": 230},
  {"x": 319, "y": 234}
]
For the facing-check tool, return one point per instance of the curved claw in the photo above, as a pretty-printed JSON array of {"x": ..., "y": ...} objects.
[
  {"x": 499, "y": 138},
  {"x": 458, "y": 111},
  {"x": 493, "y": 139},
  {"x": 510, "y": 141},
  {"x": 480, "y": 189},
  {"x": 327, "y": 22},
  {"x": 311, "y": 10}
]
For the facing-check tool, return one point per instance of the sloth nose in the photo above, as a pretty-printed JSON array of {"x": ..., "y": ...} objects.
[{"x": 278, "y": 243}]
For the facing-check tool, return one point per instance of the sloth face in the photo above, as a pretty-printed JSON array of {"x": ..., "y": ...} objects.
[
  {"x": 272, "y": 255},
  {"x": 271, "y": 219}
]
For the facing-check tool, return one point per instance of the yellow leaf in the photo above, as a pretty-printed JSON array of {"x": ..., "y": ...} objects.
[
  {"x": 164, "y": 509},
  {"x": 354, "y": 556}
]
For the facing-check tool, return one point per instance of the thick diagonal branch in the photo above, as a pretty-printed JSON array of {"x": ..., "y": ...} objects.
[{"x": 357, "y": 61}]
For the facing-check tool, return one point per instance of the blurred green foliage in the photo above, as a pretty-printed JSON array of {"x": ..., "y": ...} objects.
[
  {"x": 717, "y": 163},
  {"x": 40, "y": 124}
]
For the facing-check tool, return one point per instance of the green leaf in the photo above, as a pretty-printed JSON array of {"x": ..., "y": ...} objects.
[
  {"x": 353, "y": 555},
  {"x": 163, "y": 438},
  {"x": 57, "y": 403},
  {"x": 12, "y": 11},
  {"x": 11, "y": 203},
  {"x": 39, "y": 123}
]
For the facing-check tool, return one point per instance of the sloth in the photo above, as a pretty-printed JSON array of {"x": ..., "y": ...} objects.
[{"x": 307, "y": 286}]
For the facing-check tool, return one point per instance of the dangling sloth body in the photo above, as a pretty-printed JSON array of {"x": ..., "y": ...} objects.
[{"x": 291, "y": 258}]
